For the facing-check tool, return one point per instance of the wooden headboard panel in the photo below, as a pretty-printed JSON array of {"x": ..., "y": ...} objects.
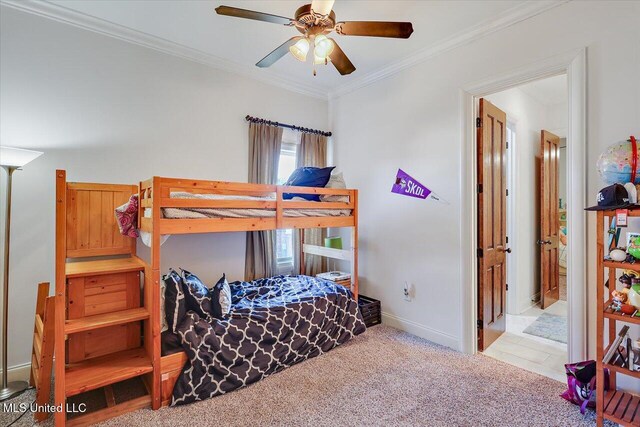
[{"x": 92, "y": 229}]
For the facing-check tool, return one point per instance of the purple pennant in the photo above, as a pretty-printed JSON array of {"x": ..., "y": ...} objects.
[{"x": 408, "y": 186}]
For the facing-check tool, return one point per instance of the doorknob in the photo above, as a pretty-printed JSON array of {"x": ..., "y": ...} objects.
[
  {"x": 544, "y": 242},
  {"x": 507, "y": 250}
]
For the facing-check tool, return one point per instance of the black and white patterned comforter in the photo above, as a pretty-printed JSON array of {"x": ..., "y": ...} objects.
[{"x": 274, "y": 323}]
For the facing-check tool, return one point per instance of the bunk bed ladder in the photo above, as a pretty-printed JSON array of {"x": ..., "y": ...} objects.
[
  {"x": 99, "y": 318},
  {"x": 42, "y": 352}
]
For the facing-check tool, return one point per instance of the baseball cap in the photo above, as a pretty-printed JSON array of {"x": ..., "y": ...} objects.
[{"x": 612, "y": 197}]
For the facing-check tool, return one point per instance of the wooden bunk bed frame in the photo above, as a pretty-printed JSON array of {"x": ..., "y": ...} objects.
[
  {"x": 155, "y": 194},
  {"x": 86, "y": 228}
]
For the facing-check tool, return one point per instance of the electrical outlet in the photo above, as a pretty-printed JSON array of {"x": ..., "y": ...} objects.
[{"x": 407, "y": 291}]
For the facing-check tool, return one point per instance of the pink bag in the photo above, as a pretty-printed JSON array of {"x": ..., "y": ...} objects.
[{"x": 581, "y": 381}]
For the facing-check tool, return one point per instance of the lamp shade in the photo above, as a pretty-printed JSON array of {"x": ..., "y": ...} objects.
[
  {"x": 323, "y": 46},
  {"x": 300, "y": 49},
  {"x": 17, "y": 157},
  {"x": 322, "y": 7}
]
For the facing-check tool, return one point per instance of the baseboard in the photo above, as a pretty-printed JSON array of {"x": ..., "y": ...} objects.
[
  {"x": 535, "y": 299},
  {"x": 421, "y": 331},
  {"x": 19, "y": 372}
]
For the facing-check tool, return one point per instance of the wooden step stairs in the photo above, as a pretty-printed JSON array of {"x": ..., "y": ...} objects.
[
  {"x": 104, "y": 309},
  {"x": 103, "y": 371}
]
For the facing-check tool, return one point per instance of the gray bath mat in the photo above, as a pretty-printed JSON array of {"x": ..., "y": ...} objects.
[{"x": 549, "y": 326}]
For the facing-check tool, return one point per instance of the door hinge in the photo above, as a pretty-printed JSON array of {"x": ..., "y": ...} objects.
[
  {"x": 507, "y": 144},
  {"x": 480, "y": 253},
  {"x": 478, "y": 122},
  {"x": 479, "y": 323},
  {"x": 507, "y": 191},
  {"x": 479, "y": 188},
  {"x": 507, "y": 285},
  {"x": 506, "y": 239}
]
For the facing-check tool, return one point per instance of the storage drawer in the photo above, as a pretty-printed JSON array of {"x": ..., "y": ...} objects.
[{"x": 94, "y": 295}]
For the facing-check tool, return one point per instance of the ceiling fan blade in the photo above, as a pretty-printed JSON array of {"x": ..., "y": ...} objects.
[
  {"x": 401, "y": 30},
  {"x": 252, "y": 14},
  {"x": 322, "y": 7},
  {"x": 340, "y": 60},
  {"x": 277, "y": 53}
]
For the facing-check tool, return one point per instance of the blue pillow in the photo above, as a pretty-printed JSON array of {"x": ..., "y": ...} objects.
[
  {"x": 196, "y": 295},
  {"x": 308, "y": 176},
  {"x": 175, "y": 305}
]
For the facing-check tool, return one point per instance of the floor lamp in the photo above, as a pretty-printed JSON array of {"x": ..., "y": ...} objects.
[{"x": 11, "y": 159}]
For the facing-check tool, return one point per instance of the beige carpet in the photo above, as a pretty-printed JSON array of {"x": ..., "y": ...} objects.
[{"x": 383, "y": 377}]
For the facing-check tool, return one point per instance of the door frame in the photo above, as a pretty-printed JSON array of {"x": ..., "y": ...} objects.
[{"x": 574, "y": 65}]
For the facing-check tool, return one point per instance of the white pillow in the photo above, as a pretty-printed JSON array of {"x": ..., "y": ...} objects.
[{"x": 335, "y": 181}]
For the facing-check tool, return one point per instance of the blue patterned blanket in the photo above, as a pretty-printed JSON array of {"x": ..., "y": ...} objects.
[{"x": 274, "y": 323}]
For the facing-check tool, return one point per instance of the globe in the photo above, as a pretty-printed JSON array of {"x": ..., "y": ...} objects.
[{"x": 614, "y": 164}]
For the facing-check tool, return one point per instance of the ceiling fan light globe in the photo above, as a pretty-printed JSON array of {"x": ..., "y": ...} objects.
[
  {"x": 323, "y": 46},
  {"x": 300, "y": 49}
]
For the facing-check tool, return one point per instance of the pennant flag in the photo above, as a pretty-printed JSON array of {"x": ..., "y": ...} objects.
[{"x": 408, "y": 186}]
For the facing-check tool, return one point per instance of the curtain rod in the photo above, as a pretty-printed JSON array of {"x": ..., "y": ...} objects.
[{"x": 283, "y": 125}]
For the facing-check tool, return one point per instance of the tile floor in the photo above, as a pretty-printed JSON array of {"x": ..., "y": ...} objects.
[{"x": 535, "y": 354}]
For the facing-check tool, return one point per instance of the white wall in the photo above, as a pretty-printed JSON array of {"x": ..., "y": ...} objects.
[
  {"x": 109, "y": 111},
  {"x": 412, "y": 120},
  {"x": 556, "y": 118}
]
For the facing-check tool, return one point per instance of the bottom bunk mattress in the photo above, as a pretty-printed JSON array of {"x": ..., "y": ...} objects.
[{"x": 274, "y": 323}]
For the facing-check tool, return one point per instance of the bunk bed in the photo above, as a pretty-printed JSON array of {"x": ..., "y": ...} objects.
[
  {"x": 107, "y": 321},
  {"x": 165, "y": 208}
]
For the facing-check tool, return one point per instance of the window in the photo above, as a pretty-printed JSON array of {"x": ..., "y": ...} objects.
[{"x": 286, "y": 166}]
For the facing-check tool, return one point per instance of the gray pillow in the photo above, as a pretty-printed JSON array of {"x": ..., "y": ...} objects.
[
  {"x": 335, "y": 181},
  {"x": 222, "y": 292}
]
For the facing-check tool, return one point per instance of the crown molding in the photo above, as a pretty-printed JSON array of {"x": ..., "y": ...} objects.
[
  {"x": 78, "y": 19},
  {"x": 506, "y": 19}
]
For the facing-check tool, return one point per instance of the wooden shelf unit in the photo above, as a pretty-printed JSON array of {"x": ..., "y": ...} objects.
[
  {"x": 101, "y": 309},
  {"x": 621, "y": 408},
  {"x": 614, "y": 405}
]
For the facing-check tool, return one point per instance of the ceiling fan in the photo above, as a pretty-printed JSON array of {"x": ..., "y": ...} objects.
[{"x": 315, "y": 21}]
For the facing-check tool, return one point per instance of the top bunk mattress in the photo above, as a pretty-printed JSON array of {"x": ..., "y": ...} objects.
[{"x": 188, "y": 213}]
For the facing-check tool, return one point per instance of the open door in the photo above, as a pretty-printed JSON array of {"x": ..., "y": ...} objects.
[
  {"x": 492, "y": 223},
  {"x": 549, "y": 221}
]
